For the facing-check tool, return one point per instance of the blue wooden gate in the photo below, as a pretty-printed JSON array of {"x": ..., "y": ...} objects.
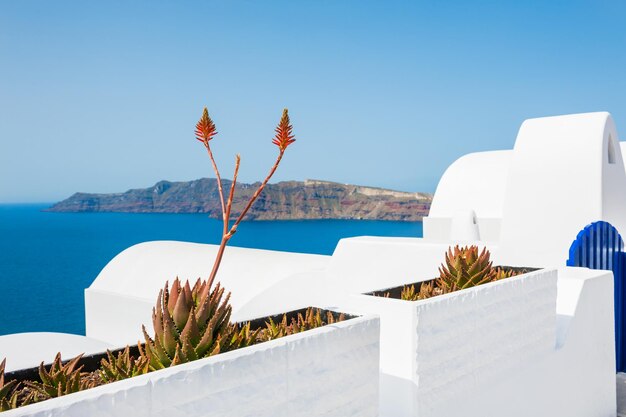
[{"x": 600, "y": 246}]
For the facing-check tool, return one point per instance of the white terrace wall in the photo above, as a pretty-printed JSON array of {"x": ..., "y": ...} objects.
[
  {"x": 330, "y": 371},
  {"x": 460, "y": 343},
  {"x": 576, "y": 380}
]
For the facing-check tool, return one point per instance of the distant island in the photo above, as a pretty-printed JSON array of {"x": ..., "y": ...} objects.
[{"x": 288, "y": 200}]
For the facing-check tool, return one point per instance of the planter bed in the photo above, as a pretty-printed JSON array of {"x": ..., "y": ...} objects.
[
  {"x": 330, "y": 371},
  {"x": 449, "y": 345},
  {"x": 395, "y": 292}
]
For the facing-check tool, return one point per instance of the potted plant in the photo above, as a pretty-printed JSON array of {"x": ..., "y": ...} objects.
[
  {"x": 442, "y": 337},
  {"x": 197, "y": 362}
]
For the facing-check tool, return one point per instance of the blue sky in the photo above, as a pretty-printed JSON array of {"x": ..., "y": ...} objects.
[{"x": 103, "y": 96}]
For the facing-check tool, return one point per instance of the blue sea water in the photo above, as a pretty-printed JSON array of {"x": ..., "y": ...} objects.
[{"x": 48, "y": 259}]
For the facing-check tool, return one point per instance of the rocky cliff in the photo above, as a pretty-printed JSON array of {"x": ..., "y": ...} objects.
[{"x": 289, "y": 200}]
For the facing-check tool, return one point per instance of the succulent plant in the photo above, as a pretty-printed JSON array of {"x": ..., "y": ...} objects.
[
  {"x": 274, "y": 330},
  {"x": 124, "y": 366},
  {"x": 192, "y": 323},
  {"x": 501, "y": 273},
  {"x": 311, "y": 320},
  {"x": 8, "y": 391},
  {"x": 243, "y": 337},
  {"x": 60, "y": 379},
  {"x": 427, "y": 289},
  {"x": 92, "y": 379},
  {"x": 465, "y": 267}
]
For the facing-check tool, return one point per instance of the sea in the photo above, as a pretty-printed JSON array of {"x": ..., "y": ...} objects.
[{"x": 48, "y": 259}]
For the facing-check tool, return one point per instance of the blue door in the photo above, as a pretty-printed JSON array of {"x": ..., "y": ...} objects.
[{"x": 600, "y": 246}]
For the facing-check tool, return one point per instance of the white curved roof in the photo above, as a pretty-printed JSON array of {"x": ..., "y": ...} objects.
[
  {"x": 476, "y": 181},
  {"x": 566, "y": 172},
  {"x": 27, "y": 350},
  {"x": 141, "y": 270}
]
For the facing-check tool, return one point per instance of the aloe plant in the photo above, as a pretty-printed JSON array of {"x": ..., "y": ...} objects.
[
  {"x": 274, "y": 330},
  {"x": 313, "y": 319},
  {"x": 427, "y": 289},
  {"x": 310, "y": 320},
  {"x": 192, "y": 323},
  {"x": 195, "y": 323},
  {"x": 60, "y": 379},
  {"x": 8, "y": 391},
  {"x": 465, "y": 267},
  {"x": 123, "y": 366},
  {"x": 502, "y": 273}
]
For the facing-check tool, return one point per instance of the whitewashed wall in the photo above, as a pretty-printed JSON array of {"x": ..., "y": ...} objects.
[
  {"x": 474, "y": 183},
  {"x": 461, "y": 342},
  {"x": 329, "y": 371},
  {"x": 577, "y": 379}
]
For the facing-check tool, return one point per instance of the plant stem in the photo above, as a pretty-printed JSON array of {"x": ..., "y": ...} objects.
[
  {"x": 219, "y": 185},
  {"x": 232, "y": 190},
  {"x": 218, "y": 258},
  {"x": 227, "y": 235}
]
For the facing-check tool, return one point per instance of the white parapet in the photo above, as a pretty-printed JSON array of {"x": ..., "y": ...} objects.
[
  {"x": 459, "y": 343},
  {"x": 330, "y": 371},
  {"x": 532, "y": 345}
]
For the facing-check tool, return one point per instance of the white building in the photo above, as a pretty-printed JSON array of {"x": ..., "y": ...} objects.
[{"x": 540, "y": 345}]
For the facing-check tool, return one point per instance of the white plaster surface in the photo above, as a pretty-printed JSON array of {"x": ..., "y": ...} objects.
[
  {"x": 461, "y": 342},
  {"x": 329, "y": 371},
  {"x": 464, "y": 226},
  {"x": 26, "y": 350},
  {"x": 131, "y": 281},
  {"x": 576, "y": 379}
]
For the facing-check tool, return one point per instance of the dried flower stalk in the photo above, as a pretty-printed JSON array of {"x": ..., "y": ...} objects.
[{"x": 205, "y": 132}]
